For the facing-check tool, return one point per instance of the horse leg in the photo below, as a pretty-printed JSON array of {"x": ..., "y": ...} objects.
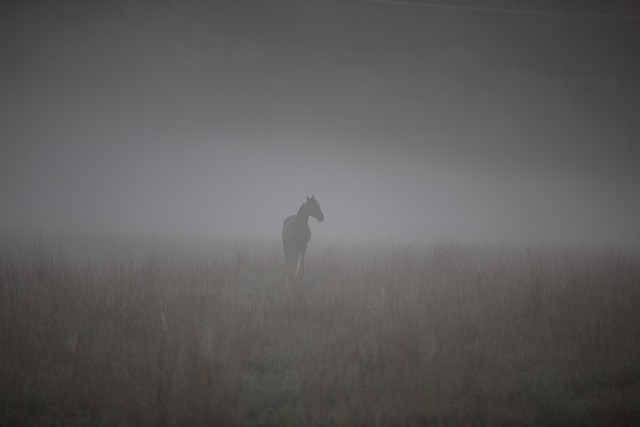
[
  {"x": 304, "y": 251},
  {"x": 290, "y": 268},
  {"x": 296, "y": 269},
  {"x": 292, "y": 274}
]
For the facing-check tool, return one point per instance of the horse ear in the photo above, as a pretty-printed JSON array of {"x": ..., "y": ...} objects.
[
  {"x": 313, "y": 197},
  {"x": 308, "y": 199}
]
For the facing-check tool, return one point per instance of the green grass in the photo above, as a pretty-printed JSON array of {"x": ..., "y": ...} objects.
[{"x": 377, "y": 335}]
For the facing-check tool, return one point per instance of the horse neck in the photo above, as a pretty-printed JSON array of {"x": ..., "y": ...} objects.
[{"x": 302, "y": 217}]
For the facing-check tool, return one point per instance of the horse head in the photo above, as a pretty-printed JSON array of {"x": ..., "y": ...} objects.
[{"x": 313, "y": 208}]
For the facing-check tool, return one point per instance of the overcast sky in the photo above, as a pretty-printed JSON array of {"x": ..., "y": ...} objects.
[{"x": 219, "y": 118}]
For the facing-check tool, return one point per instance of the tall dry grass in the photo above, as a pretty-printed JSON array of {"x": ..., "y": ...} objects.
[{"x": 377, "y": 335}]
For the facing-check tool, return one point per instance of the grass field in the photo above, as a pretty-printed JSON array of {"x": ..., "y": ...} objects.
[{"x": 380, "y": 334}]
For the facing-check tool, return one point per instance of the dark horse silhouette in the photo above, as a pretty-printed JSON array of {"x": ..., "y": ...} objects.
[{"x": 296, "y": 234}]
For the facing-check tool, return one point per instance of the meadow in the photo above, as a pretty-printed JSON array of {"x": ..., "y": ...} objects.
[{"x": 174, "y": 333}]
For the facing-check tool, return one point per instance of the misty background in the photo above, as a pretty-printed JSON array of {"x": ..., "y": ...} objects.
[{"x": 406, "y": 122}]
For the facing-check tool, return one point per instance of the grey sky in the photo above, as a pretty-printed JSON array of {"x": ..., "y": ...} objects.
[{"x": 407, "y": 122}]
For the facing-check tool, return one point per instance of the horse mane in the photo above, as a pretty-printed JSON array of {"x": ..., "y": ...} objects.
[{"x": 302, "y": 207}]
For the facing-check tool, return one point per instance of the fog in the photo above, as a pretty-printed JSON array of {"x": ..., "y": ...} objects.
[{"x": 405, "y": 122}]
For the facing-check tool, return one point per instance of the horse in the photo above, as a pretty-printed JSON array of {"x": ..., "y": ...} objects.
[{"x": 296, "y": 234}]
